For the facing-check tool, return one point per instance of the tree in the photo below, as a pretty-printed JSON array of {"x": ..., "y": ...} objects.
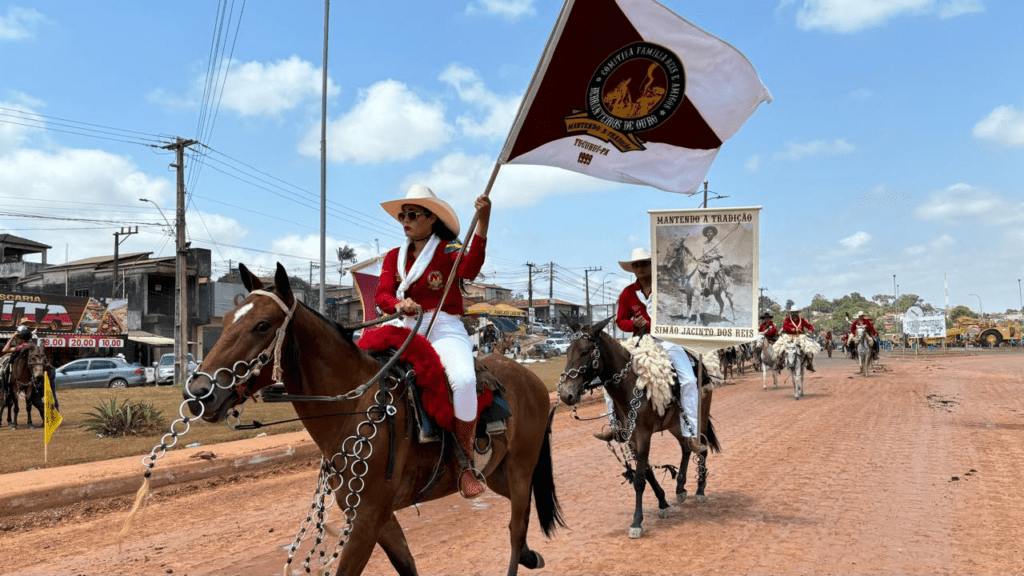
[
  {"x": 346, "y": 253},
  {"x": 883, "y": 300},
  {"x": 820, "y": 304},
  {"x": 232, "y": 277},
  {"x": 960, "y": 312},
  {"x": 789, "y": 305}
]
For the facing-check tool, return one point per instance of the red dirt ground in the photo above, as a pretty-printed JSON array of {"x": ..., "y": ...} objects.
[{"x": 918, "y": 469}]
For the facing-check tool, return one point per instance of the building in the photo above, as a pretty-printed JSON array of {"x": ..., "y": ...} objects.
[
  {"x": 148, "y": 284},
  {"x": 13, "y": 266},
  {"x": 543, "y": 311}
]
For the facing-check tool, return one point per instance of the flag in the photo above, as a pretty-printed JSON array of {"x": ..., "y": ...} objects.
[
  {"x": 629, "y": 91},
  {"x": 52, "y": 418},
  {"x": 365, "y": 276}
]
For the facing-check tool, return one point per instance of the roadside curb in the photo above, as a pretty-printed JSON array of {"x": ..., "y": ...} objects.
[{"x": 42, "y": 489}]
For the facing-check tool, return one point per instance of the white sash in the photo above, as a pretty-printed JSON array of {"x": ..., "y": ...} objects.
[{"x": 418, "y": 267}]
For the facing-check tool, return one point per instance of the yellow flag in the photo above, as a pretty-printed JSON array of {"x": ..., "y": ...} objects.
[{"x": 52, "y": 417}]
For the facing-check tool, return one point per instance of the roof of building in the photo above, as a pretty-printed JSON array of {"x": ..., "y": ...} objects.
[{"x": 18, "y": 241}]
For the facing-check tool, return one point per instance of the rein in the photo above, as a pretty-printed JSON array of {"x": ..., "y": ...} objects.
[{"x": 594, "y": 366}]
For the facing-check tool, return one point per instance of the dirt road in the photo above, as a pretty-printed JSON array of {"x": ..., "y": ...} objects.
[{"x": 918, "y": 469}]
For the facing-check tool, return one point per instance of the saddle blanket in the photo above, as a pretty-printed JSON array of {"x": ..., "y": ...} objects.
[{"x": 430, "y": 376}]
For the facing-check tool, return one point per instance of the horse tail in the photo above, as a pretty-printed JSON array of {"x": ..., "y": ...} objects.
[
  {"x": 712, "y": 438},
  {"x": 549, "y": 512}
]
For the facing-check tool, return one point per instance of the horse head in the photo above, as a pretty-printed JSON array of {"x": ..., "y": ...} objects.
[
  {"x": 37, "y": 363},
  {"x": 794, "y": 355},
  {"x": 252, "y": 338},
  {"x": 583, "y": 361}
]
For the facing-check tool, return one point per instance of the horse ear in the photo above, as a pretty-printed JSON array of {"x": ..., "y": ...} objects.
[
  {"x": 573, "y": 325},
  {"x": 249, "y": 280},
  {"x": 283, "y": 286},
  {"x": 597, "y": 328}
]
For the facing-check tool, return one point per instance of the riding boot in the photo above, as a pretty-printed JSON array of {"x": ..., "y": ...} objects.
[
  {"x": 605, "y": 435},
  {"x": 465, "y": 435},
  {"x": 810, "y": 364}
]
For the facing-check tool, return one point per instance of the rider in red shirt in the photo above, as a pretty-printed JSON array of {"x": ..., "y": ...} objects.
[
  {"x": 863, "y": 320},
  {"x": 767, "y": 327},
  {"x": 796, "y": 328}
]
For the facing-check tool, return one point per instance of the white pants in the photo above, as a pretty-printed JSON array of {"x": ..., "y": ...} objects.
[
  {"x": 810, "y": 347},
  {"x": 452, "y": 344},
  {"x": 689, "y": 395}
]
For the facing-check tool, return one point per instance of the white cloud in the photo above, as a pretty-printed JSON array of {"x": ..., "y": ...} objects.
[
  {"x": 940, "y": 244},
  {"x": 255, "y": 88},
  {"x": 959, "y": 201},
  {"x": 460, "y": 178},
  {"x": 753, "y": 163},
  {"x": 499, "y": 111},
  {"x": 801, "y": 150},
  {"x": 848, "y": 16},
  {"x": 1004, "y": 125},
  {"x": 510, "y": 10},
  {"x": 855, "y": 241},
  {"x": 83, "y": 185},
  {"x": 20, "y": 23},
  {"x": 389, "y": 122},
  {"x": 13, "y": 132}
]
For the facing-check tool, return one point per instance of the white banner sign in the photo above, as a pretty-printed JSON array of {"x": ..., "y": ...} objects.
[
  {"x": 925, "y": 327},
  {"x": 80, "y": 342},
  {"x": 705, "y": 275}
]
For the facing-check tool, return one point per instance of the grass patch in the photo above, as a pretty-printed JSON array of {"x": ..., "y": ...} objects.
[{"x": 75, "y": 443}]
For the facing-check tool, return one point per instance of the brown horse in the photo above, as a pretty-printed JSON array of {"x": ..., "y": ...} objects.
[
  {"x": 27, "y": 367},
  {"x": 373, "y": 464},
  {"x": 594, "y": 354}
]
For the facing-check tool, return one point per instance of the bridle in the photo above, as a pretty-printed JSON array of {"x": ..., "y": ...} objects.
[{"x": 590, "y": 371}]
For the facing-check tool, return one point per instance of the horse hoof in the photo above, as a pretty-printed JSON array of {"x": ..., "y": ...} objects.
[
  {"x": 681, "y": 497},
  {"x": 635, "y": 533},
  {"x": 700, "y": 499},
  {"x": 664, "y": 512}
]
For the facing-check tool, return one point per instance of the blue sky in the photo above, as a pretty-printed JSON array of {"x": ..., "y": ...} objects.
[{"x": 894, "y": 143}]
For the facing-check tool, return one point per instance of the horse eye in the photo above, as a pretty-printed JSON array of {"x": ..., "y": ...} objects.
[{"x": 262, "y": 326}]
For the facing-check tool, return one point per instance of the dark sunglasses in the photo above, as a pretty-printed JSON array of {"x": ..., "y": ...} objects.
[{"x": 411, "y": 215}]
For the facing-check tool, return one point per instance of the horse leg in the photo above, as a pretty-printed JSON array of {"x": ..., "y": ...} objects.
[
  {"x": 17, "y": 411},
  {"x": 35, "y": 401},
  {"x": 392, "y": 541},
  {"x": 367, "y": 530},
  {"x": 643, "y": 448},
  {"x": 659, "y": 493},
  {"x": 684, "y": 465},
  {"x": 702, "y": 477}
]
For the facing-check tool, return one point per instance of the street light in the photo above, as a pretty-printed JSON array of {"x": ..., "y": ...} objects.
[
  {"x": 980, "y": 307},
  {"x": 170, "y": 228}
]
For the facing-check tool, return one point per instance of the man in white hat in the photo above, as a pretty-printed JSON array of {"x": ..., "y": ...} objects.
[
  {"x": 414, "y": 275},
  {"x": 709, "y": 265},
  {"x": 633, "y": 317}
]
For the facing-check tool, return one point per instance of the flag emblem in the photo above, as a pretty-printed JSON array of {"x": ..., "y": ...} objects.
[{"x": 634, "y": 90}]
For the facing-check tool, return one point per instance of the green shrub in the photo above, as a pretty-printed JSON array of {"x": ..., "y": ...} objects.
[{"x": 128, "y": 419}]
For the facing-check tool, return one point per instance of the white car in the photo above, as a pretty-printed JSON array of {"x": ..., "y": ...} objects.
[
  {"x": 165, "y": 369},
  {"x": 538, "y": 328},
  {"x": 560, "y": 344}
]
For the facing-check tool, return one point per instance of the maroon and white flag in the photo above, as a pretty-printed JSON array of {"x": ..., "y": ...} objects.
[{"x": 629, "y": 91}]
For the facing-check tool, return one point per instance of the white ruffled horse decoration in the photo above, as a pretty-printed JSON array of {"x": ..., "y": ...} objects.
[{"x": 654, "y": 371}]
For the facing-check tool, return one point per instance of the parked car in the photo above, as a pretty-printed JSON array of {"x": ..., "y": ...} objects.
[
  {"x": 99, "y": 373},
  {"x": 559, "y": 344},
  {"x": 543, "y": 350},
  {"x": 165, "y": 369},
  {"x": 538, "y": 328}
]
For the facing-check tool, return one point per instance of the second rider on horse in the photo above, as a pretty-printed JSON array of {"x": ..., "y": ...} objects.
[
  {"x": 414, "y": 275},
  {"x": 796, "y": 328},
  {"x": 633, "y": 316}
]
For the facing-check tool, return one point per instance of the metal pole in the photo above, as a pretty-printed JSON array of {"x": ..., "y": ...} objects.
[
  {"x": 323, "y": 170},
  {"x": 180, "y": 269}
]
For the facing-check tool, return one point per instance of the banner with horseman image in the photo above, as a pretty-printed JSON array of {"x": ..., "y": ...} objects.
[{"x": 705, "y": 276}]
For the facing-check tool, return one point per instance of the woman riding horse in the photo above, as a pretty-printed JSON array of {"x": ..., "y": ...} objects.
[
  {"x": 413, "y": 276},
  {"x": 633, "y": 317}
]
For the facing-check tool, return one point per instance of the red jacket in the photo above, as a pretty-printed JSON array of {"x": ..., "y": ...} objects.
[
  {"x": 867, "y": 323},
  {"x": 768, "y": 329},
  {"x": 798, "y": 327},
  {"x": 629, "y": 306},
  {"x": 426, "y": 291}
]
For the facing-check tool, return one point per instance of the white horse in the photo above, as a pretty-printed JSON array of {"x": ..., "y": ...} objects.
[
  {"x": 864, "y": 350},
  {"x": 767, "y": 363},
  {"x": 794, "y": 360}
]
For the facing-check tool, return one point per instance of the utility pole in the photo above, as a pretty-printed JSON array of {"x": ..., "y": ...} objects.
[
  {"x": 586, "y": 282},
  {"x": 717, "y": 197},
  {"x": 117, "y": 242},
  {"x": 180, "y": 270},
  {"x": 529, "y": 290},
  {"x": 551, "y": 294},
  {"x": 760, "y": 298}
]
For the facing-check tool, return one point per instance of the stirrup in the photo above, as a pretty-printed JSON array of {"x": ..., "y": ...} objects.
[{"x": 476, "y": 475}]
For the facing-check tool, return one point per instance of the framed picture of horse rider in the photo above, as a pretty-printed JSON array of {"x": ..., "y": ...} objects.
[{"x": 705, "y": 276}]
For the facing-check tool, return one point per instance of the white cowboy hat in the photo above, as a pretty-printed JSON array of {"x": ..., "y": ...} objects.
[
  {"x": 638, "y": 255},
  {"x": 420, "y": 195},
  {"x": 861, "y": 313}
]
